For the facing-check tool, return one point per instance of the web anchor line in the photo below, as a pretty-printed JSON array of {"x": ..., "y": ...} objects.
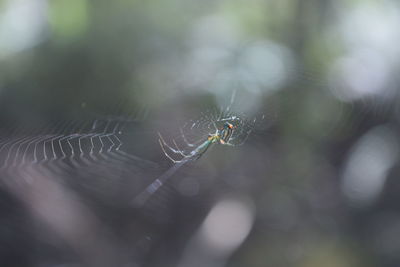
[{"x": 144, "y": 196}]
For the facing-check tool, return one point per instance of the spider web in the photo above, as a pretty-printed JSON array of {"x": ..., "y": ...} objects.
[
  {"x": 192, "y": 134},
  {"x": 88, "y": 156},
  {"x": 67, "y": 146}
]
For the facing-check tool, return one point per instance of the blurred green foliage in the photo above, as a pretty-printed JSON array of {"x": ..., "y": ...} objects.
[{"x": 175, "y": 57}]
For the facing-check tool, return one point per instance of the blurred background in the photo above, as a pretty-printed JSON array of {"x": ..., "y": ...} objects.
[{"x": 315, "y": 184}]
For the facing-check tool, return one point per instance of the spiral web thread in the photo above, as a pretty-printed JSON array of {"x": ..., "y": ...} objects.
[{"x": 66, "y": 147}]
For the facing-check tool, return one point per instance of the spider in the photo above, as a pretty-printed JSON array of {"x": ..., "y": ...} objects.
[{"x": 221, "y": 136}]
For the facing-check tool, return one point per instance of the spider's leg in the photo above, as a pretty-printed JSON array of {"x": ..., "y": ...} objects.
[
  {"x": 180, "y": 151},
  {"x": 232, "y": 143},
  {"x": 166, "y": 154},
  {"x": 184, "y": 138},
  {"x": 173, "y": 150}
]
